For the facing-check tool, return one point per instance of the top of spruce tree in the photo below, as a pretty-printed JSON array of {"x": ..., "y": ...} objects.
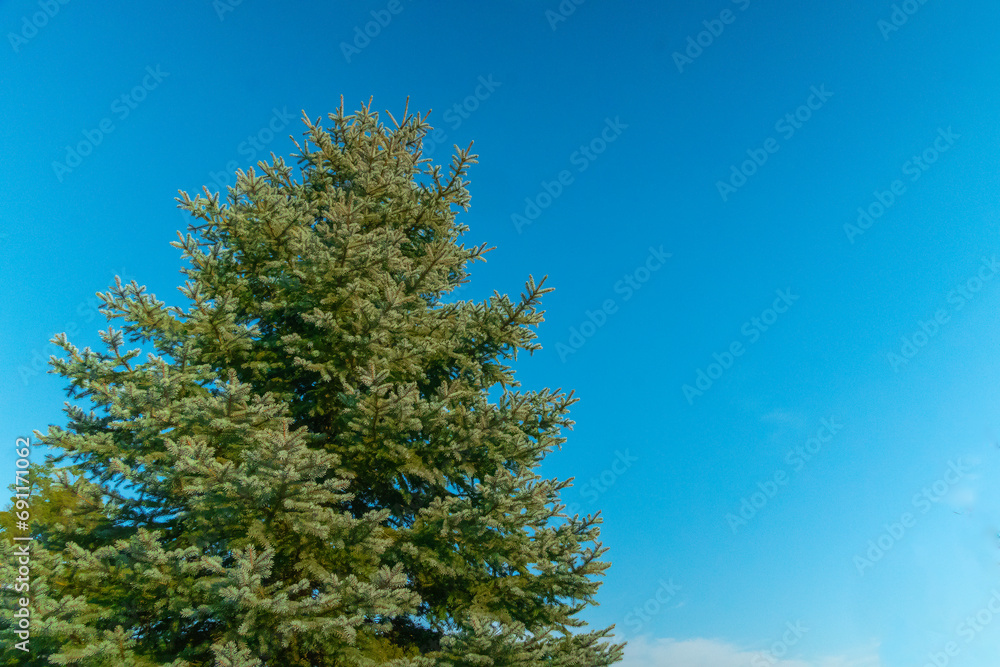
[{"x": 320, "y": 462}]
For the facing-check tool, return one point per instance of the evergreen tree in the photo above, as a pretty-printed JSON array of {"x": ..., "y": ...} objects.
[{"x": 320, "y": 462}]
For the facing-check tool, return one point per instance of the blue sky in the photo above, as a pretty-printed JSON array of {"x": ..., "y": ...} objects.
[{"x": 690, "y": 199}]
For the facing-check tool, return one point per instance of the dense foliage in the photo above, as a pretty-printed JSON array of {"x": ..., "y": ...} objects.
[{"x": 318, "y": 460}]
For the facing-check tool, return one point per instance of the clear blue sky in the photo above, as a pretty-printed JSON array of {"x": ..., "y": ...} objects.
[{"x": 630, "y": 154}]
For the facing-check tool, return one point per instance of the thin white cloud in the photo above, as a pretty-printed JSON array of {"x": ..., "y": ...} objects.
[{"x": 646, "y": 652}]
